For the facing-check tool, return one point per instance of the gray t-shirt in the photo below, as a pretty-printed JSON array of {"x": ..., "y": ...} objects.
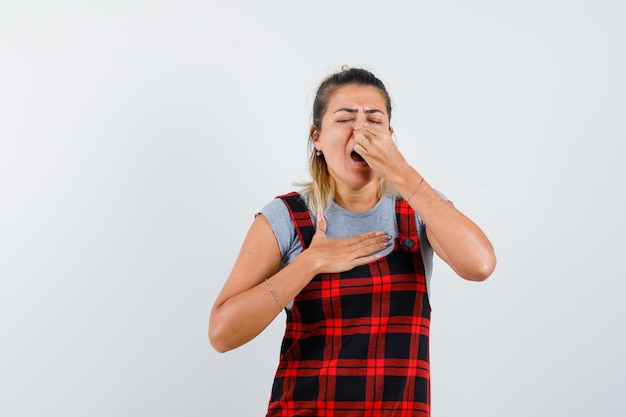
[{"x": 342, "y": 223}]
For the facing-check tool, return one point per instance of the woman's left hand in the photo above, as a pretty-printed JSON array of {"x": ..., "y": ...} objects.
[
  {"x": 375, "y": 144},
  {"x": 453, "y": 236}
]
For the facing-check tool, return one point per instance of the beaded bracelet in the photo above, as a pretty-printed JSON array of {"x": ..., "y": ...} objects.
[
  {"x": 267, "y": 281},
  {"x": 415, "y": 190}
]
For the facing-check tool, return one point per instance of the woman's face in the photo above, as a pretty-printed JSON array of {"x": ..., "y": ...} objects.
[{"x": 348, "y": 106}]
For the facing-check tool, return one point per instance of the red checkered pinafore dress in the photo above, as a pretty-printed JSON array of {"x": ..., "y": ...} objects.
[{"x": 356, "y": 343}]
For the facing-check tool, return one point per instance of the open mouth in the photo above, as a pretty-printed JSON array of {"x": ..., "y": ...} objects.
[{"x": 356, "y": 157}]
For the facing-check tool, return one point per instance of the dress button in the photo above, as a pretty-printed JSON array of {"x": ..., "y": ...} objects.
[{"x": 409, "y": 243}]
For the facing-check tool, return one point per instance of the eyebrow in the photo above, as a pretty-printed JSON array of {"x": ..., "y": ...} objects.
[{"x": 349, "y": 110}]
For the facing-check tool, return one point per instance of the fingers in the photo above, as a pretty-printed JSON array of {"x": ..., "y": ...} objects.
[
  {"x": 369, "y": 139},
  {"x": 376, "y": 146},
  {"x": 361, "y": 142},
  {"x": 365, "y": 132},
  {"x": 365, "y": 128},
  {"x": 362, "y": 247},
  {"x": 369, "y": 238},
  {"x": 339, "y": 255},
  {"x": 372, "y": 243},
  {"x": 367, "y": 249}
]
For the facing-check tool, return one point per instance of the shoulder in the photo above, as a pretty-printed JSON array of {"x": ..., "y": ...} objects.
[
  {"x": 279, "y": 218},
  {"x": 276, "y": 210},
  {"x": 279, "y": 206}
]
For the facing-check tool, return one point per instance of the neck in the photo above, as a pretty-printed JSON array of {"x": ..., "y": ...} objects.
[{"x": 357, "y": 200}]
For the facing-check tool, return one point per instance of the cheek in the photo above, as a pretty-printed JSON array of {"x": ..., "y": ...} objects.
[
  {"x": 342, "y": 135},
  {"x": 339, "y": 144},
  {"x": 336, "y": 138}
]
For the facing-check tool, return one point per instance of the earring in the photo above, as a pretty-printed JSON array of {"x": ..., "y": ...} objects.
[{"x": 318, "y": 152}]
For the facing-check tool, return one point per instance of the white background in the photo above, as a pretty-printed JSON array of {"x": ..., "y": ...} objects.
[{"x": 138, "y": 138}]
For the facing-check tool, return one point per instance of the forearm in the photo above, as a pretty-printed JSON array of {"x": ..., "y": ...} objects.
[
  {"x": 455, "y": 238},
  {"x": 244, "y": 316}
]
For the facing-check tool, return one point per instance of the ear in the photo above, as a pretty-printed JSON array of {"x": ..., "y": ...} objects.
[{"x": 315, "y": 135}]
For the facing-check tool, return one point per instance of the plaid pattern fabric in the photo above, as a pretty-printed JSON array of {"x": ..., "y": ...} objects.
[{"x": 356, "y": 343}]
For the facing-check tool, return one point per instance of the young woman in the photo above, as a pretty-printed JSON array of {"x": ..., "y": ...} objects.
[{"x": 349, "y": 259}]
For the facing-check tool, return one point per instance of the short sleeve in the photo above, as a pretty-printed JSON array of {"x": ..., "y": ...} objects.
[{"x": 277, "y": 214}]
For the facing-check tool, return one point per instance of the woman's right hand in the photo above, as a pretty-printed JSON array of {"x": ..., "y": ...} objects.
[
  {"x": 245, "y": 305},
  {"x": 340, "y": 255}
]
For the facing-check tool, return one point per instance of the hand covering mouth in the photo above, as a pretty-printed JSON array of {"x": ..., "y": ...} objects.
[{"x": 356, "y": 157}]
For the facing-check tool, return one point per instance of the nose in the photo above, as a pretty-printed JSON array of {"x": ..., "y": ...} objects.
[{"x": 359, "y": 119}]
